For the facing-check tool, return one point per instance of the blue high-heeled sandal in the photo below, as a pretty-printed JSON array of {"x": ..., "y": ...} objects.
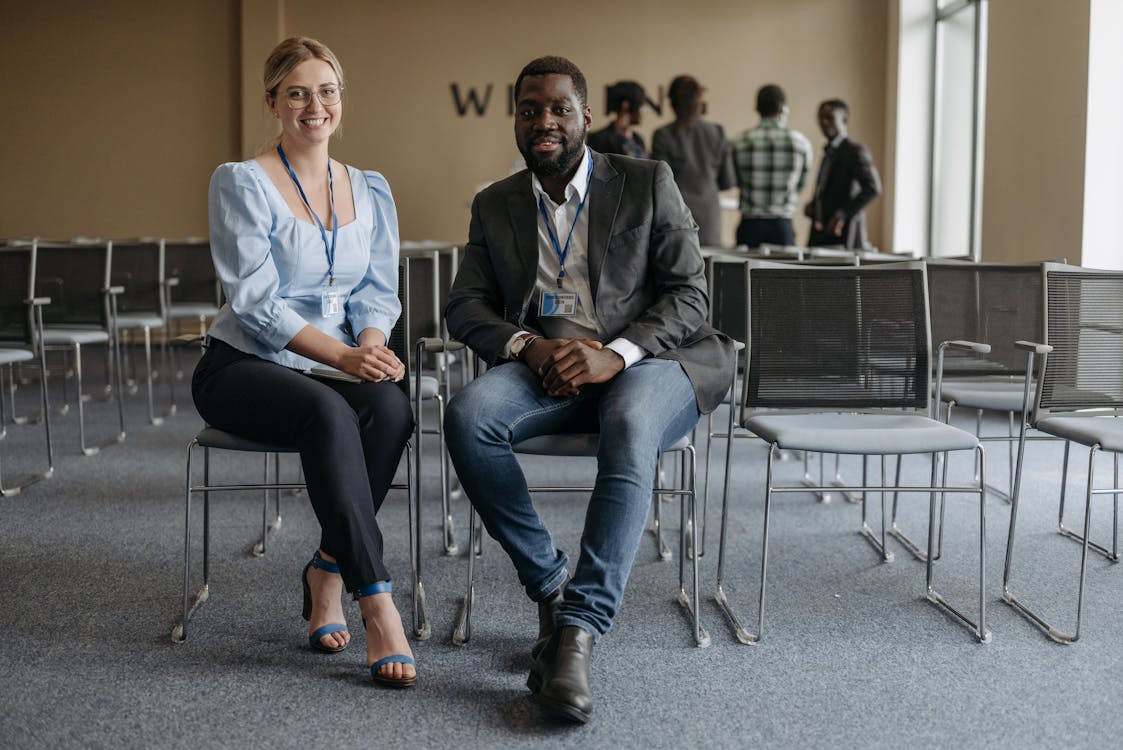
[
  {"x": 334, "y": 627},
  {"x": 385, "y": 587}
]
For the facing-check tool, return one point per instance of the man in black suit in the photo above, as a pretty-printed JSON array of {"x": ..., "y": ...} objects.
[
  {"x": 582, "y": 285},
  {"x": 847, "y": 182}
]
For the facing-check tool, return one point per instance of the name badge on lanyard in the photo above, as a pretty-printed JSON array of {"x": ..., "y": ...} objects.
[
  {"x": 331, "y": 301},
  {"x": 560, "y": 303}
]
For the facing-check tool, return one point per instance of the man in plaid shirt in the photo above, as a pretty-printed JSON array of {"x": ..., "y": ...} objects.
[{"x": 772, "y": 164}]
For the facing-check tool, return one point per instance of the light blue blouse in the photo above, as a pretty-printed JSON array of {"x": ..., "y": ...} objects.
[{"x": 273, "y": 266}]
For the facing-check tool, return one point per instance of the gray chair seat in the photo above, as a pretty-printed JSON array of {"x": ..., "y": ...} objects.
[
  {"x": 191, "y": 310},
  {"x": 68, "y": 336},
  {"x": 871, "y": 434},
  {"x": 583, "y": 444},
  {"x": 1105, "y": 431},
  {"x": 430, "y": 387},
  {"x": 996, "y": 396},
  {"x": 212, "y": 437},
  {"x": 12, "y": 356},
  {"x": 139, "y": 320}
]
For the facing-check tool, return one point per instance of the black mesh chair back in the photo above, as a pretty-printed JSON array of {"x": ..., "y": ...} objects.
[
  {"x": 995, "y": 303},
  {"x": 1084, "y": 325},
  {"x": 16, "y": 265},
  {"x": 75, "y": 276},
  {"x": 189, "y": 261},
  {"x": 837, "y": 337},
  {"x": 138, "y": 267}
]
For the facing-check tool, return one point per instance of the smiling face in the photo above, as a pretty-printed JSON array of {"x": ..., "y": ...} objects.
[
  {"x": 315, "y": 122},
  {"x": 550, "y": 124},
  {"x": 832, "y": 122}
]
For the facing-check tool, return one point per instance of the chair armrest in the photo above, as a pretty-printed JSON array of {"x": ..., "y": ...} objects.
[
  {"x": 171, "y": 281},
  {"x": 187, "y": 339},
  {"x": 1034, "y": 347},
  {"x": 114, "y": 290},
  {"x": 38, "y": 301},
  {"x": 429, "y": 344},
  {"x": 973, "y": 346}
]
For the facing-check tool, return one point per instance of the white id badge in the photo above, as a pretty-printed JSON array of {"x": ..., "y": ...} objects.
[
  {"x": 558, "y": 304},
  {"x": 331, "y": 306}
]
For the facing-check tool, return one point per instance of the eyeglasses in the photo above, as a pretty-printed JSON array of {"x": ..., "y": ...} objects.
[{"x": 299, "y": 98}]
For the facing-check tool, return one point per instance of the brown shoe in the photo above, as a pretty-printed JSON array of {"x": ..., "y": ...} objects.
[{"x": 559, "y": 677}]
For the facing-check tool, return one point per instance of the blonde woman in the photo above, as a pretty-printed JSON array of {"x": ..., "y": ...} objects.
[{"x": 307, "y": 251}]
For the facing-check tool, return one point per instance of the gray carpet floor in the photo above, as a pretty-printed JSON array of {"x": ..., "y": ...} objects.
[{"x": 852, "y": 654}]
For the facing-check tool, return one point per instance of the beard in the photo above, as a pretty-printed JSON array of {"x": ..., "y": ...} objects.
[{"x": 567, "y": 157}]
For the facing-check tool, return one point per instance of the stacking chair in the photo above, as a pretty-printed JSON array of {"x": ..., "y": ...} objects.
[
  {"x": 75, "y": 276},
  {"x": 212, "y": 438},
  {"x": 996, "y": 303},
  {"x": 584, "y": 445},
  {"x": 191, "y": 288},
  {"x": 1079, "y": 399},
  {"x": 136, "y": 268},
  {"x": 838, "y": 361},
  {"x": 21, "y": 326}
]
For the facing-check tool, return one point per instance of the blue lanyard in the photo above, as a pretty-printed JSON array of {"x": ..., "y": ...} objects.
[
  {"x": 328, "y": 249},
  {"x": 564, "y": 253}
]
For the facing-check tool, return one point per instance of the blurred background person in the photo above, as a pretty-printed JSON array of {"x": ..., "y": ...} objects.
[
  {"x": 699, "y": 156},
  {"x": 772, "y": 163},
  {"x": 847, "y": 181},
  {"x": 626, "y": 100}
]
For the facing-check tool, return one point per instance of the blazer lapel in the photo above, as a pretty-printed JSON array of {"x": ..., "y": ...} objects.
[
  {"x": 605, "y": 190},
  {"x": 524, "y": 224}
]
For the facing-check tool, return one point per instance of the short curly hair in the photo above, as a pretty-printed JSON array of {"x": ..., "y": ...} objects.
[{"x": 554, "y": 65}]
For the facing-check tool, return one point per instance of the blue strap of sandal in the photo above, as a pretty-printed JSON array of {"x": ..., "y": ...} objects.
[
  {"x": 322, "y": 564},
  {"x": 379, "y": 587},
  {"x": 392, "y": 659},
  {"x": 320, "y": 632}
]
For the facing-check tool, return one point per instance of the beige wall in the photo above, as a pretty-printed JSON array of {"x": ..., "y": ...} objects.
[
  {"x": 133, "y": 105},
  {"x": 1037, "y": 72},
  {"x": 115, "y": 115}
]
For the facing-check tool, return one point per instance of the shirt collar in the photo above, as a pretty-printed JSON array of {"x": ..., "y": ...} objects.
[{"x": 578, "y": 186}]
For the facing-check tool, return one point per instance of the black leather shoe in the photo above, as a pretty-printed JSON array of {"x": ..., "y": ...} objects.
[
  {"x": 546, "y": 610},
  {"x": 559, "y": 677}
]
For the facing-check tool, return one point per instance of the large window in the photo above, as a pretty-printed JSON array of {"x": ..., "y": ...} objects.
[{"x": 959, "y": 75}]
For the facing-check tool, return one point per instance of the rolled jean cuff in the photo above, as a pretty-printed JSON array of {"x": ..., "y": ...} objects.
[{"x": 548, "y": 589}]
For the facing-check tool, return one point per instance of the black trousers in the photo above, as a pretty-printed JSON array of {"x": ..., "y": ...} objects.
[
  {"x": 350, "y": 435},
  {"x": 758, "y": 231}
]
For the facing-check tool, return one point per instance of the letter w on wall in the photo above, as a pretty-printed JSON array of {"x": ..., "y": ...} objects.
[{"x": 472, "y": 99}]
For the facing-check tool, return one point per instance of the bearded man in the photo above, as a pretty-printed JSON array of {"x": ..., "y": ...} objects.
[{"x": 582, "y": 287}]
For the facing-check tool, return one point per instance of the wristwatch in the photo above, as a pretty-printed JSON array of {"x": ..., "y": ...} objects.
[{"x": 519, "y": 345}]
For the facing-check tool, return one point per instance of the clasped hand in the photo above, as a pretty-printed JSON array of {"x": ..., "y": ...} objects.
[
  {"x": 372, "y": 362},
  {"x": 567, "y": 364}
]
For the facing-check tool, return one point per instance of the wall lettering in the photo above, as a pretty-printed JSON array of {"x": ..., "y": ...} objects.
[{"x": 469, "y": 98}]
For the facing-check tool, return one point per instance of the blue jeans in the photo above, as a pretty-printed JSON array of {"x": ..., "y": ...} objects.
[{"x": 639, "y": 413}]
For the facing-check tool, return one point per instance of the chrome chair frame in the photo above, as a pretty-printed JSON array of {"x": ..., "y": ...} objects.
[
  {"x": 1042, "y": 413},
  {"x": 140, "y": 306},
  {"x": 72, "y": 330},
  {"x": 796, "y": 408},
  {"x": 30, "y": 347}
]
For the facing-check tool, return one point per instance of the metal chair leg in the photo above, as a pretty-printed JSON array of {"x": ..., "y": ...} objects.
[
  {"x": 979, "y": 628},
  {"x": 463, "y": 631},
  {"x": 1020, "y": 607}
]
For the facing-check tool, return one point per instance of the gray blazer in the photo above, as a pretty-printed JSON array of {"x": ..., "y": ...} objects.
[{"x": 645, "y": 270}]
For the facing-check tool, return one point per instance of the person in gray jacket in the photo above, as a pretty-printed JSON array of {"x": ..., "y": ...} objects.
[
  {"x": 699, "y": 156},
  {"x": 582, "y": 287}
]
